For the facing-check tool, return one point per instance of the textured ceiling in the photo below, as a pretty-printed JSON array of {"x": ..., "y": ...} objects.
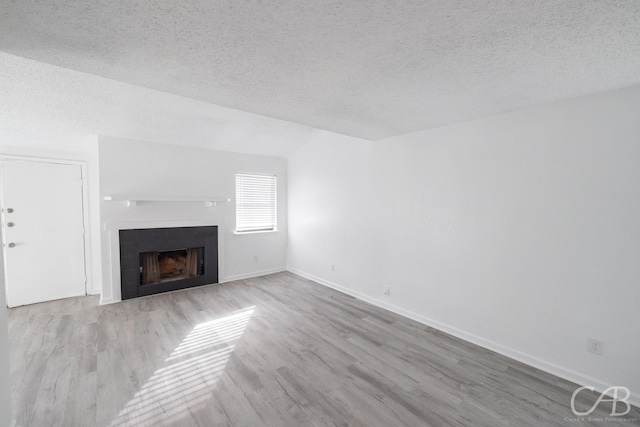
[
  {"x": 45, "y": 106},
  {"x": 370, "y": 69}
]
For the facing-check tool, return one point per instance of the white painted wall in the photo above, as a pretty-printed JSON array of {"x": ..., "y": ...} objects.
[
  {"x": 333, "y": 211},
  {"x": 129, "y": 167},
  {"x": 519, "y": 232}
]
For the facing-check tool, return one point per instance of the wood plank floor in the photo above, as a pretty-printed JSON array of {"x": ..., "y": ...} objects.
[{"x": 278, "y": 350}]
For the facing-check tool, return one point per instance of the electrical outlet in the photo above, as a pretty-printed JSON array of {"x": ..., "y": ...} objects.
[
  {"x": 255, "y": 258},
  {"x": 333, "y": 267},
  {"x": 387, "y": 290},
  {"x": 594, "y": 346}
]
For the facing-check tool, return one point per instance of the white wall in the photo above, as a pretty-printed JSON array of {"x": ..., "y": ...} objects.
[
  {"x": 129, "y": 167},
  {"x": 332, "y": 211},
  {"x": 520, "y": 232}
]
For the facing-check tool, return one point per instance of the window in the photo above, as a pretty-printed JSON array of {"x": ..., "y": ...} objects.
[{"x": 255, "y": 202}]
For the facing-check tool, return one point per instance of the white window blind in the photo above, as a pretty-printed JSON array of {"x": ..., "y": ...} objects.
[{"x": 255, "y": 202}]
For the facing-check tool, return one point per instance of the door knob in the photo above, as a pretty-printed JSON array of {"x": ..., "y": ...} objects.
[
  {"x": 10, "y": 210},
  {"x": 10, "y": 224},
  {"x": 12, "y": 245}
]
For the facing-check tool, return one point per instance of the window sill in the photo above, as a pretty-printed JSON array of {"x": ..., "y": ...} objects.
[{"x": 240, "y": 233}]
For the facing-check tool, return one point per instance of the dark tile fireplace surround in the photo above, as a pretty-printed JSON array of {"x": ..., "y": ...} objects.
[{"x": 159, "y": 260}]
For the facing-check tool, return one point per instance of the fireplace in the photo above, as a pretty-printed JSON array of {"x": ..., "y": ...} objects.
[
  {"x": 156, "y": 260},
  {"x": 164, "y": 266}
]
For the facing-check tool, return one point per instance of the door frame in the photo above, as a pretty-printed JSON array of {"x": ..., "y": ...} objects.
[{"x": 88, "y": 271}]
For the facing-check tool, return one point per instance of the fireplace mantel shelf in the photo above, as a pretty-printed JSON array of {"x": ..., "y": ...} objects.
[{"x": 131, "y": 201}]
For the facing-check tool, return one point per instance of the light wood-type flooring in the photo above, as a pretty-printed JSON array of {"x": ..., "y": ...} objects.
[{"x": 278, "y": 350}]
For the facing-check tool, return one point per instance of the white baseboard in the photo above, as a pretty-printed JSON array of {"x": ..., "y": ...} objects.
[
  {"x": 252, "y": 274},
  {"x": 105, "y": 301},
  {"x": 567, "y": 374}
]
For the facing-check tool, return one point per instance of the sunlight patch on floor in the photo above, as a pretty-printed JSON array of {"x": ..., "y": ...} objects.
[{"x": 187, "y": 380}]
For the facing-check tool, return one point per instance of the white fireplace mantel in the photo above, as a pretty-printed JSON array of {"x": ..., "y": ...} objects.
[{"x": 131, "y": 201}]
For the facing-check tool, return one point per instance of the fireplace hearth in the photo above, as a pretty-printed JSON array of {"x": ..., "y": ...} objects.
[{"x": 159, "y": 260}]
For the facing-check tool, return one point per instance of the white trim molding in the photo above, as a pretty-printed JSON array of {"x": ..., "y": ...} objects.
[{"x": 252, "y": 274}]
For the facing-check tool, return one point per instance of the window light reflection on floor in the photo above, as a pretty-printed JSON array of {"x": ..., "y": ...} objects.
[{"x": 187, "y": 380}]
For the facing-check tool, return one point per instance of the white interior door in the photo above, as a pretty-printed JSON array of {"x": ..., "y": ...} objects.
[{"x": 43, "y": 231}]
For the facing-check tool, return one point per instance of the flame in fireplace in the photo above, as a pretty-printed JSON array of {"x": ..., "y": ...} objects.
[{"x": 187, "y": 380}]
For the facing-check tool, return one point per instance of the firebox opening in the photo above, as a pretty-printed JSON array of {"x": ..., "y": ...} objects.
[{"x": 160, "y": 267}]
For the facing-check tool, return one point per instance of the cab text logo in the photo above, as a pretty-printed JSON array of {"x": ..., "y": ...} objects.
[{"x": 617, "y": 395}]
